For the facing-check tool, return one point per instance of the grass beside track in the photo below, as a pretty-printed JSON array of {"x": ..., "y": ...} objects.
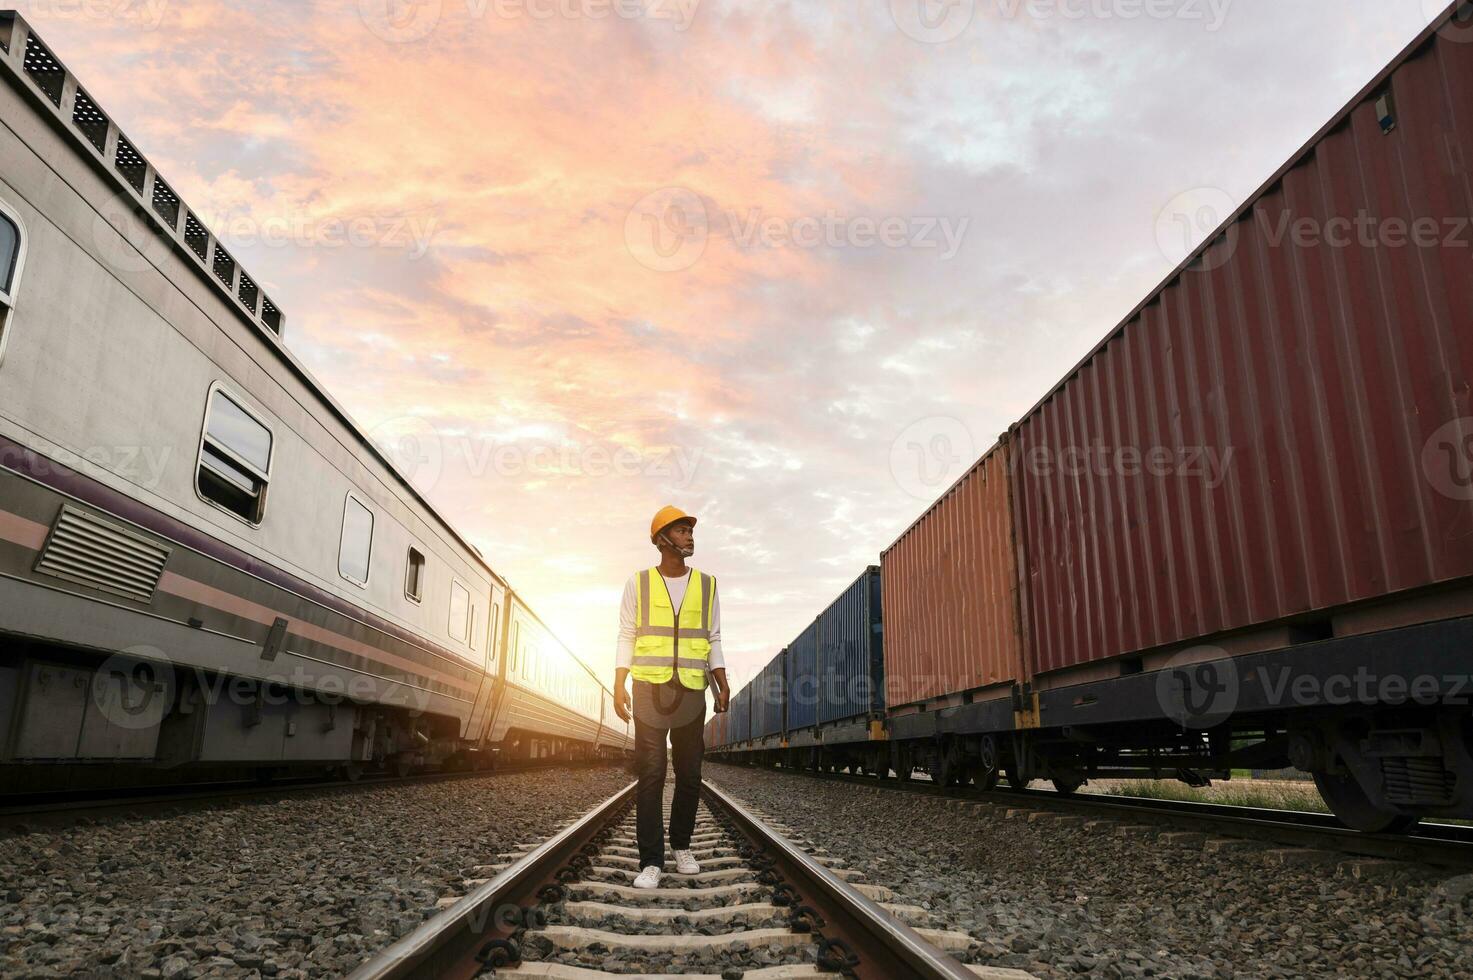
[{"x": 1276, "y": 794}]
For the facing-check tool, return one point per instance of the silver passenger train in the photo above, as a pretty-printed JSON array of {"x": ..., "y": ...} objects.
[{"x": 203, "y": 561}]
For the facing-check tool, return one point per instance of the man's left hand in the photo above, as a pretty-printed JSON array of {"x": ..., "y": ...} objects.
[{"x": 723, "y": 698}]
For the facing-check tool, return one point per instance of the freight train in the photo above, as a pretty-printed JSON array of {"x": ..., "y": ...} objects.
[
  {"x": 1086, "y": 601},
  {"x": 204, "y": 562}
]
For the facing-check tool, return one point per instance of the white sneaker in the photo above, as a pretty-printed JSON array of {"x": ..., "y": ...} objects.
[
  {"x": 648, "y": 878},
  {"x": 686, "y": 864}
]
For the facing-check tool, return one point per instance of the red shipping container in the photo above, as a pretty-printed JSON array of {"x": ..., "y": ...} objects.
[
  {"x": 1282, "y": 429},
  {"x": 950, "y": 596}
]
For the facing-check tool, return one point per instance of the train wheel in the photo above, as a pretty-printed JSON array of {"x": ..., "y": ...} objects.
[
  {"x": 983, "y": 778},
  {"x": 902, "y": 762},
  {"x": 350, "y": 771},
  {"x": 1350, "y": 804},
  {"x": 1067, "y": 785},
  {"x": 1014, "y": 779}
]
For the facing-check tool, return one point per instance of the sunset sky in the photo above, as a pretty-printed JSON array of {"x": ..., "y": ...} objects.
[{"x": 790, "y": 266}]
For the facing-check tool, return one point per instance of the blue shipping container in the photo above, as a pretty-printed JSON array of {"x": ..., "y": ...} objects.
[
  {"x": 741, "y": 715},
  {"x": 851, "y": 656},
  {"x": 802, "y": 680},
  {"x": 768, "y": 701}
]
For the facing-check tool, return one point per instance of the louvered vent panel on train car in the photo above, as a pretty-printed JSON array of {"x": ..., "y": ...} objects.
[
  {"x": 86, "y": 549},
  {"x": 1417, "y": 781}
]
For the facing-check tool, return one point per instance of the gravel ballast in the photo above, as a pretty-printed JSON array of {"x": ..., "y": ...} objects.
[
  {"x": 300, "y": 885},
  {"x": 1060, "y": 899}
]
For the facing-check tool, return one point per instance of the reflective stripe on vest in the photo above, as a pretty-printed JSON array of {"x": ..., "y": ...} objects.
[{"x": 670, "y": 643}]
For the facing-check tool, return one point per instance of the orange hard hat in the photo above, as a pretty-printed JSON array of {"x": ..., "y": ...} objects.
[{"x": 666, "y": 516}]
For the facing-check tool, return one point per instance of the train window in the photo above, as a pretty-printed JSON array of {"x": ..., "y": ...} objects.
[
  {"x": 11, "y": 250},
  {"x": 491, "y": 632},
  {"x": 357, "y": 542},
  {"x": 234, "y": 458},
  {"x": 460, "y": 604},
  {"x": 414, "y": 576},
  {"x": 9, "y": 257},
  {"x": 516, "y": 647}
]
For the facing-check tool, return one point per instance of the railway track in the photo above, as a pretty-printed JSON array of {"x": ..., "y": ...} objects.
[
  {"x": 766, "y": 905},
  {"x": 1441, "y": 845}
]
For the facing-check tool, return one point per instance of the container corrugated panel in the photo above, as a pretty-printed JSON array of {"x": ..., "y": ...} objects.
[
  {"x": 801, "y": 680},
  {"x": 950, "y": 594},
  {"x": 1306, "y": 399},
  {"x": 851, "y": 666},
  {"x": 768, "y": 699},
  {"x": 741, "y": 715}
]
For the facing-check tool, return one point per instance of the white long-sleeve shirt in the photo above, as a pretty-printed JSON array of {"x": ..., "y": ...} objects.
[{"x": 629, "y": 618}]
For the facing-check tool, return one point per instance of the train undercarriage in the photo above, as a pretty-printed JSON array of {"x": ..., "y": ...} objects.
[
  {"x": 1379, "y": 770},
  {"x": 72, "y": 719}
]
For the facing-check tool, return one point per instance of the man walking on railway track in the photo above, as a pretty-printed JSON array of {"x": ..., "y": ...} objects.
[{"x": 670, "y": 641}]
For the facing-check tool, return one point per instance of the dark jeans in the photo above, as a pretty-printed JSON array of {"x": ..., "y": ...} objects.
[{"x": 679, "y": 713}]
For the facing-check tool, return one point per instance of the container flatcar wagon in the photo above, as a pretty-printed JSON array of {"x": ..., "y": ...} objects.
[
  {"x": 800, "y": 687},
  {"x": 851, "y": 667},
  {"x": 1239, "y": 533},
  {"x": 203, "y": 561},
  {"x": 769, "y": 704},
  {"x": 1307, "y": 526},
  {"x": 740, "y": 732}
]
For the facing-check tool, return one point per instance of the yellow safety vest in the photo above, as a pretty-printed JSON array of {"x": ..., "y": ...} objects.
[{"x": 664, "y": 647}]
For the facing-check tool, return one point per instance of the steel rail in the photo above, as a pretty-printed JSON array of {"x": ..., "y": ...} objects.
[
  {"x": 448, "y": 944},
  {"x": 1442, "y": 845},
  {"x": 885, "y": 947}
]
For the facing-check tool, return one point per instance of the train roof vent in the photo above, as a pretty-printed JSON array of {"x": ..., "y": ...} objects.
[
  {"x": 131, "y": 165},
  {"x": 90, "y": 121},
  {"x": 165, "y": 202},
  {"x": 44, "y": 69},
  {"x": 89, "y": 550}
]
